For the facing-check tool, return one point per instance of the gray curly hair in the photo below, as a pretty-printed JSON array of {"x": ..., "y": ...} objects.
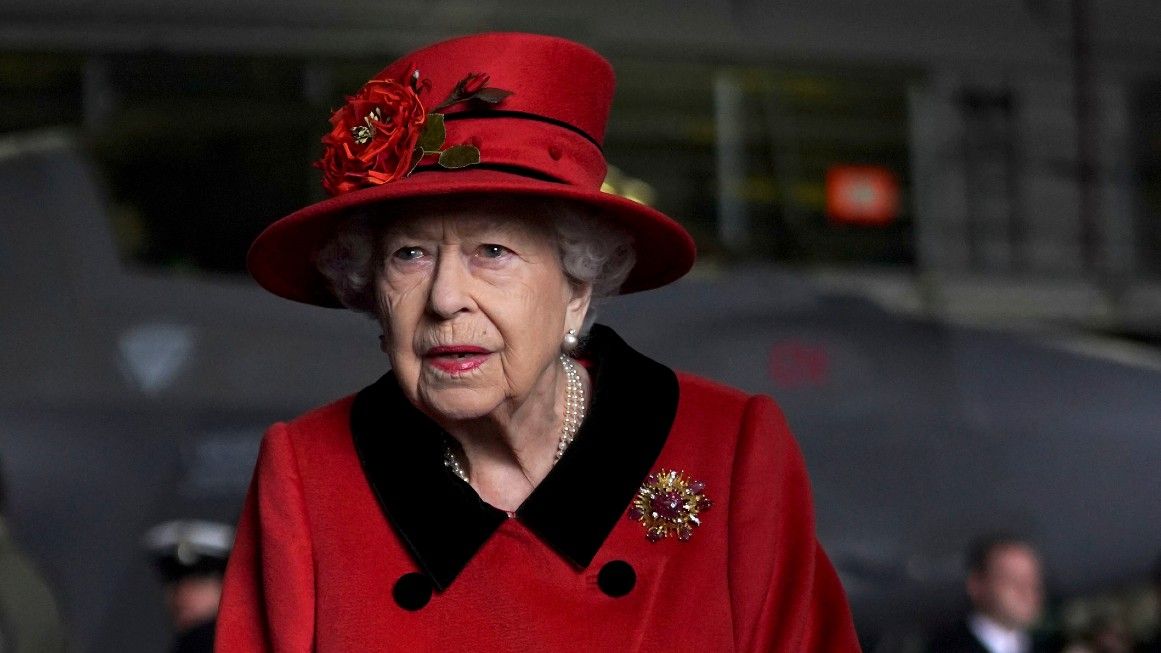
[{"x": 591, "y": 251}]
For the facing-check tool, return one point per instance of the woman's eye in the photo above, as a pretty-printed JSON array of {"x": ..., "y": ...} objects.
[
  {"x": 408, "y": 253},
  {"x": 493, "y": 251}
]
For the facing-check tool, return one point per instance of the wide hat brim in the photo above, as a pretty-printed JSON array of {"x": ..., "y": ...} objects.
[{"x": 283, "y": 257}]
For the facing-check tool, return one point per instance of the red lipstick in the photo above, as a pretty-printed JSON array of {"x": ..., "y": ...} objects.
[{"x": 456, "y": 359}]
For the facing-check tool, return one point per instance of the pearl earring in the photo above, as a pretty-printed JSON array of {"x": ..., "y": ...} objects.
[{"x": 570, "y": 342}]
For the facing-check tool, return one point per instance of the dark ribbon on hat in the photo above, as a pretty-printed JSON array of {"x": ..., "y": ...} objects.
[{"x": 503, "y": 113}]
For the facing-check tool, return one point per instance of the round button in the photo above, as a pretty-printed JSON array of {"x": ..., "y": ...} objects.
[
  {"x": 555, "y": 152},
  {"x": 617, "y": 578},
  {"x": 412, "y": 591}
]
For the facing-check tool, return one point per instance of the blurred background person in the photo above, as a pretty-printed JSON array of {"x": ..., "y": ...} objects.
[
  {"x": 29, "y": 621},
  {"x": 1006, "y": 590},
  {"x": 190, "y": 557}
]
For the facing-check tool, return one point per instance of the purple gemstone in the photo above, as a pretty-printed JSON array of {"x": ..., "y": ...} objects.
[
  {"x": 704, "y": 503},
  {"x": 636, "y": 513},
  {"x": 668, "y": 505},
  {"x": 684, "y": 533},
  {"x": 654, "y": 535},
  {"x": 651, "y": 479},
  {"x": 697, "y": 486}
]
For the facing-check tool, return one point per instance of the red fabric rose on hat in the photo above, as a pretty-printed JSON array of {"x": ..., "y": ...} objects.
[
  {"x": 384, "y": 131},
  {"x": 373, "y": 137}
]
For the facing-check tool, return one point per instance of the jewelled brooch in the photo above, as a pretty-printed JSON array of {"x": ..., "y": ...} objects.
[{"x": 669, "y": 503}]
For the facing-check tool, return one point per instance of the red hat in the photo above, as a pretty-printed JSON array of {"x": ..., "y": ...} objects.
[{"x": 491, "y": 114}]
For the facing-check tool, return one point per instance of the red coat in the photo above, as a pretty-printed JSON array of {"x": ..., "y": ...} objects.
[{"x": 355, "y": 537}]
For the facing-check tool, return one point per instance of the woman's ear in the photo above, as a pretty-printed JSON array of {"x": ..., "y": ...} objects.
[{"x": 578, "y": 306}]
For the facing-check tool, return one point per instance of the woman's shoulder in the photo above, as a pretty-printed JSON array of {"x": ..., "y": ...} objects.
[
  {"x": 318, "y": 434},
  {"x": 703, "y": 399},
  {"x": 719, "y": 427},
  {"x": 332, "y": 417},
  {"x": 719, "y": 395},
  {"x": 709, "y": 389}
]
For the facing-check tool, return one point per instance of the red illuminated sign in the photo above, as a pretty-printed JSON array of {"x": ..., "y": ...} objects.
[{"x": 862, "y": 195}]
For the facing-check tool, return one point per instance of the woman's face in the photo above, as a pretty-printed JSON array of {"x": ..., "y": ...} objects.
[{"x": 473, "y": 304}]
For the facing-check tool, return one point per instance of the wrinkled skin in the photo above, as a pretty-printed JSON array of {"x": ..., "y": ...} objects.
[{"x": 482, "y": 274}]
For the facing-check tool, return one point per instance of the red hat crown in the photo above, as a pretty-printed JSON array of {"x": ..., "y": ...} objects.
[{"x": 529, "y": 104}]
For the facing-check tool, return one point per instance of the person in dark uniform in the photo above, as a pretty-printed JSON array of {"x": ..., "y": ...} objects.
[
  {"x": 1005, "y": 586},
  {"x": 519, "y": 480},
  {"x": 190, "y": 558}
]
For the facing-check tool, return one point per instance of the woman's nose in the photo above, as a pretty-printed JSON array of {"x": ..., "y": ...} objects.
[{"x": 449, "y": 286}]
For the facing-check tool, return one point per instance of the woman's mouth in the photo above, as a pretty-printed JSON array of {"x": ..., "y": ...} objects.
[{"x": 456, "y": 359}]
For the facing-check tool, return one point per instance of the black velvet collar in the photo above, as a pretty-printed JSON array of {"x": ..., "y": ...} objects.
[{"x": 444, "y": 522}]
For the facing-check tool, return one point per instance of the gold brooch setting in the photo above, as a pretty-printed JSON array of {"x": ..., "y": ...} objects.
[{"x": 669, "y": 504}]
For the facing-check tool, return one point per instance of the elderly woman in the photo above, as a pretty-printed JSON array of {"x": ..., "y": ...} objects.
[{"x": 518, "y": 480}]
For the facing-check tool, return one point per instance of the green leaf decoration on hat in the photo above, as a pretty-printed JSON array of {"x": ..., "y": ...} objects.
[
  {"x": 459, "y": 156},
  {"x": 431, "y": 139},
  {"x": 416, "y": 157},
  {"x": 491, "y": 95}
]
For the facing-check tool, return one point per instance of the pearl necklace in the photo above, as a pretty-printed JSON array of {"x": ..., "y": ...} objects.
[{"x": 574, "y": 414}]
